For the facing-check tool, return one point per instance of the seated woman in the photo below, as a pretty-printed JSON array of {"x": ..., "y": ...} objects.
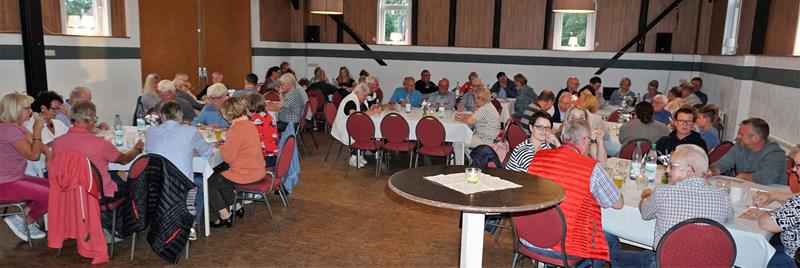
[
  {"x": 597, "y": 149},
  {"x": 245, "y": 163},
  {"x": 643, "y": 126},
  {"x": 354, "y": 102},
  {"x": 210, "y": 115},
  {"x": 485, "y": 120},
  {"x": 45, "y": 106},
  {"x": 707, "y": 122},
  {"x": 591, "y": 104},
  {"x": 782, "y": 220},
  {"x": 267, "y": 129},
  {"x": 149, "y": 94},
  {"x": 541, "y": 138},
  {"x": 16, "y": 146}
]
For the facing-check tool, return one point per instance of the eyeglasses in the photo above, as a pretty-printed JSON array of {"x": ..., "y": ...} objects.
[
  {"x": 26, "y": 107},
  {"x": 684, "y": 122},
  {"x": 541, "y": 128},
  {"x": 677, "y": 165}
]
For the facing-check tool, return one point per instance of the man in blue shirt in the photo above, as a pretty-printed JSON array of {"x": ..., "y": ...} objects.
[
  {"x": 210, "y": 116},
  {"x": 660, "y": 114},
  {"x": 407, "y": 93}
]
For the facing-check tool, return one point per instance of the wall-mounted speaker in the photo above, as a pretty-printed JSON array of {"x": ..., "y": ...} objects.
[
  {"x": 312, "y": 34},
  {"x": 663, "y": 42}
]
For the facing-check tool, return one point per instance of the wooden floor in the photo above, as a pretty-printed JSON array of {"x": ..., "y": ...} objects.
[{"x": 341, "y": 222}]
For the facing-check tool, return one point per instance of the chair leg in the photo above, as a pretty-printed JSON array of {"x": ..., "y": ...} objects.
[
  {"x": 378, "y": 163},
  {"x": 113, "y": 231},
  {"x": 416, "y": 159},
  {"x": 27, "y": 230},
  {"x": 316, "y": 146},
  {"x": 302, "y": 144},
  {"x": 269, "y": 210},
  {"x": 133, "y": 245},
  {"x": 347, "y": 164},
  {"x": 283, "y": 194},
  {"x": 187, "y": 250},
  {"x": 410, "y": 158},
  {"x": 340, "y": 150},
  {"x": 330, "y": 146},
  {"x": 515, "y": 260}
]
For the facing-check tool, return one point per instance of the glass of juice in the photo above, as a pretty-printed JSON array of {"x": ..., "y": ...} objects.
[{"x": 473, "y": 174}]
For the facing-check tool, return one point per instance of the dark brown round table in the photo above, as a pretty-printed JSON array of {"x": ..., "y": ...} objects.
[{"x": 536, "y": 193}]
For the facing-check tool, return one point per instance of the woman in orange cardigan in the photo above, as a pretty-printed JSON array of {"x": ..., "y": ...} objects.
[{"x": 242, "y": 153}]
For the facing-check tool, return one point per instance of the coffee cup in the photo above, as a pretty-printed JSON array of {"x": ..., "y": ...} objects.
[{"x": 737, "y": 194}]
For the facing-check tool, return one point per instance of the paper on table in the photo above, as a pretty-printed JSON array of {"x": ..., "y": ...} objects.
[{"x": 458, "y": 182}]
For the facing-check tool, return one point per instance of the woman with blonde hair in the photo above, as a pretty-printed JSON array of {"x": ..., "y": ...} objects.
[
  {"x": 17, "y": 146},
  {"x": 598, "y": 148},
  {"x": 150, "y": 92}
]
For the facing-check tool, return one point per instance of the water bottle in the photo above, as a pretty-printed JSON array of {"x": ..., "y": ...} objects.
[
  {"x": 651, "y": 163},
  {"x": 140, "y": 128},
  {"x": 119, "y": 133},
  {"x": 636, "y": 162},
  {"x": 458, "y": 89}
]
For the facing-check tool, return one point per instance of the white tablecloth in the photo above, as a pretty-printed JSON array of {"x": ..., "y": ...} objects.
[
  {"x": 457, "y": 132},
  {"x": 752, "y": 243},
  {"x": 508, "y": 108}
]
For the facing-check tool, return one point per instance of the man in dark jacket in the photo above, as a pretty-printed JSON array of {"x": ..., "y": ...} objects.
[
  {"x": 424, "y": 85},
  {"x": 682, "y": 121}
]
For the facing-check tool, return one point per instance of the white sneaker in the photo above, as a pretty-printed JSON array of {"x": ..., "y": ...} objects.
[
  {"x": 192, "y": 235},
  {"x": 109, "y": 237},
  {"x": 355, "y": 163},
  {"x": 247, "y": 202},
  {"x": 17, "y": 225},
  {"x": 362, "y": 160},
  {"x": 36, "y": 233}
]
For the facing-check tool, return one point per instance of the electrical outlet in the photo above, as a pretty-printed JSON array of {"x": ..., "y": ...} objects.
[{"x": 49, "y": 52}]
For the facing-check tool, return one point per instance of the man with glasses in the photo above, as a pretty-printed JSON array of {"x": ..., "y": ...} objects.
[
  {"x": 210, "y": 115},
  {"x": 754, "y": 158},
  {"x": 661, "y": 114},
  {"x": 682, "y": 122},
  {"x": 686, "y": 196}
]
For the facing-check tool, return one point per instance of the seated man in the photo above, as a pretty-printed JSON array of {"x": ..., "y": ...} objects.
[
  {"x": 754, "y": 158},
  {"x": 444, "y": 96},
  {"x": 682, "y": 122},
  {"x": 375, "y": 96},
  {"x": 525, "y": 95},
  {"x": 290, "y": 108},
  {"x": 407, "y": 93},
  {"x": 502, "y": 88},
  {"x": 250, "y": 84},
  {"x": 210, "y": 116},
  {"x": 183, "y": 90},
  {"x": 668, "y": 203},
  {"x": 467, "y": 101},
  {"x": 424, "y": 85},
  {"x": 167, "y": 93},
  {"x": 587, "y": 188},
  {"x": 544, "y": 102},
  {"x": 661, "y": 114}
]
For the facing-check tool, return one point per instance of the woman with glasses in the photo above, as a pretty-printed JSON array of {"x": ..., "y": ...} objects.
[
  {"x": 682, "y": 122},
  {"x": 541, "y": 138},
  {"x": 17, "y": 146},
  {"x": 45, "y": 105},
  {"x": 782, "y": 220}
]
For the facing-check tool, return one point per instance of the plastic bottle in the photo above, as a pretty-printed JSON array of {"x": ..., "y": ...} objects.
[
  {"x": 651, "y": 163},
  {"x": 119, "y": 133},
  {"x": 636, "y": 162}
]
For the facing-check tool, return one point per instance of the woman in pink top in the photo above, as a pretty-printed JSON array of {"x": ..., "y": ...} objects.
[
  {"x": 17, "y": 146},
  {"x": 242, "y": 153}
]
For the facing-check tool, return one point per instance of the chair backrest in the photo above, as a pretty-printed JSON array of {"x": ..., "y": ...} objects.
[
  {"x": 97, "y": 181},
  {"x": 303, "y": 116},
  {"x": 394, "y": 128},
  {"x": 794, "y": 184},
  {"x": 515, "y": 135},
  {"x": 696, "y": 242},
  {"x": 613, "y": 117},
  {"x": 138, "y": 166},
  {"x": 272, "y": 95},
  {"x": 430, "y": 132},
  {"x": 330, "y": 113},
  {"x": 285, "y": 157},
  {"x": 497, "y": 106},
  {"x": 360, "y": 127},
  {"x": 719, "y": 151},
  {"x": 627, "y": 150},
  {"x": 542, "y": 228},
  {"x": 337, "y": 99}
]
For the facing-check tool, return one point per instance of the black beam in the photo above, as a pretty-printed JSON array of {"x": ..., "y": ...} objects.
[
  {"x": 295, "y": 4},
  {"x": 30, "y": 14},
  {"x": 498, "y": 10},
  {"x": 339, "y": 29},
  {"x": 760, "y": 27},
  {"x": 641, "y": 34},
  {"x": 414, "y": 12},
  {"x": 643, "y": 9},
  {"x": 548, "y": 23},
  {"x": 451, "y": 32},
  {"x": 340, "y": 22}
]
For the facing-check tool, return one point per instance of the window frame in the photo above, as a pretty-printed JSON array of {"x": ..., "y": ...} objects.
[
  {"x": 102, "y": 11},
  {"x": 558, "y": 22},
  {"x": 382, "y": 8}
]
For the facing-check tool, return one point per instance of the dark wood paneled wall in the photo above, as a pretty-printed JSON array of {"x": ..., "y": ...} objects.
[
  {"x": 746, "y": 21},
  {"x": 617, "y": 22},
  {"x": 781, "y": 27},
  {"x": 434, "y": 19},
  {"x": 521, "y": 24},
  {"x": 51, "y": 17},
  {"x": 474, "y": 23},
  {"x": 363, "y": 21},
  {"x": 9, "y": 16}
]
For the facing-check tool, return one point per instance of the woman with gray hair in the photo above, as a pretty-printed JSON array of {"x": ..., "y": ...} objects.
[
  {"x": 210, "y": 116},
  {"x": 354, "y": 102}
]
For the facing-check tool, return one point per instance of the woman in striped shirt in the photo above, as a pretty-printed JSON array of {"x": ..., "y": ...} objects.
[{"x": 541, "y": 138}]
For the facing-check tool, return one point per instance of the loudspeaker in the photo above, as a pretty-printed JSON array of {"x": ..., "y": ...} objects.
[
  {"x": 663, "y": 42},
  {"x": 312, "y": 34}
]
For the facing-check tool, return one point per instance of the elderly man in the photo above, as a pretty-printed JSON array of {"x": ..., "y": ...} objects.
[
  {"x": 697, "y": 84},
  {"x": 687, "y": 93},
  {"x": 564, "y": 103},
  {"x": 167, "y": 93},
  {"x": 544, "y": 102},
  {"x": 210, "y": 115},
  {"x": 572, "y": 87},
  {"x": 291, "y": 106},
  {"x": 661, "y": 114},
  {"x": 467, "y": 102},
  {"x": 624, "y": 91},
  {"x": 502, "y": 88},
  {"x": 682, "y": 124},
  {"x": 668, "y": 204},
  {"x": 216, "y": 77},
  {"x": 184, "y": 90},
  {"x": 754, "y": 158},
  {"x": 444, "y": 97},
  {"x": 78, "y": 94},
  {"x": 424, "y": 85},
  {"x": 525, "y": 95},
  {"x": 407, "y": 93},
  {"x": 250, "y": 84},
  {"x": 375, "y": 93},
  {"x": 587, "y": 188}
]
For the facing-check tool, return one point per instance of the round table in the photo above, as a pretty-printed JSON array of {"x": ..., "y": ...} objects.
[{"x": 536, "y": 193}]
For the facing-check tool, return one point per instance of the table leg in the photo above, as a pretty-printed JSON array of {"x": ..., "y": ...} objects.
[
  {"x": 207, "y": 171},
  {"x": 459, "y": 151},
  {"x": 472, "y": 225}
]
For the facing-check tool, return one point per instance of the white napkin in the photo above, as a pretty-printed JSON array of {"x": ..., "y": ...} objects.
[{"x": 458, "y": 182}]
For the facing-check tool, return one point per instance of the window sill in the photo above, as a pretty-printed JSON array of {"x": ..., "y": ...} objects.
[{"x": 71, "y": 35}]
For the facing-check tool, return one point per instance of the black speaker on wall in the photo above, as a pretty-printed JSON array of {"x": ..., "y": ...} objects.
[
  {"x": 663, "y": 42},
  {"x": 312, "y": 34}
]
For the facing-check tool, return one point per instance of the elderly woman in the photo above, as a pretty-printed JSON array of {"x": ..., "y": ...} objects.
[
  {"x": 597, "y": 148},
  {"x": 16, "y": 146},
  {"x": 643, "y": 127},
  {"x": 210, "y": 115},
  {"x": 267, "y": 130},
  {"x": 541, "y": 138},
  {"x": 652, "y": 91},
  {"x": 485, "y": 120},
  {"x": 355, "y": 102},
  {"x": 782, "y": 220},
  {"x": 150, "y": 92},
  {"x": 45, "y": 106},
  {"x": 245, "y": 163}
]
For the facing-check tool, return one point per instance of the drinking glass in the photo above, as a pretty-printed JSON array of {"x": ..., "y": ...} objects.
[
  {"x": 472, "y": 174},
  {"x": 218, "y": 134}
]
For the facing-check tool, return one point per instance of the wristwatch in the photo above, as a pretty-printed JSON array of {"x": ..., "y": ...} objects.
[{"x": 593, "y": 140}]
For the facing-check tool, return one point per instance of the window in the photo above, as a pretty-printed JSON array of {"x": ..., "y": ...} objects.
[
  {"x": 394, "y": 21},
  {"x": 86, "y": 17},
  {"x": 573, "y": 31}
]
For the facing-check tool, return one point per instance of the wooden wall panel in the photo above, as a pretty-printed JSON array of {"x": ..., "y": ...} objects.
[
  {"x": 685, "y": 34},
  {"x": 118, "y": 22},
  {"x": 704, "y": 26},
  {"x": 717, "y": 31},
  {"x": 169, "y": 46},
  {"x": 51, "y": 16},
  {"x": 617, "y": 23},
  {"x": 746, "y": 22},
  {"x": 362, "y": 17},
  {"x": 9, "y": 16},
  {"x": 434, "y": 22},
  {"x": 522, "y": 24},
  {"x": 297, "y": 20},
  {"x": 781, "y": 28},
  {"x": 274, "y": 20},
  {"x": 327, "y": 27},
  {"x": 226, "y": 50},
  {"x": 474, "y": 23}
]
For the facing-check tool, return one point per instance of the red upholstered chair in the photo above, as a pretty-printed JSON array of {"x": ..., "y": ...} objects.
[
  {"x": 613, "y": 117},
  {"x": 272, "y": 182},
  {"x": 317, "y": 99},
  {"x": 272, "y": 95},
  {"x": 394, "y": 129},
  {"x": 794, "y": 184},
  {"x": 330, "y": 116},
  {"x": 497, "y": 106},
  {"x": 544, "y": 229},
  {"x": 20, "y": 211},
  {"x": 337, "y": 99},
  {"x": 515, "y": 135},
  {"x": 697, "y": 242},
  {"x": 361, "y": 131},
  {"x": 301, "y": 128},
  {"x": 719, "y": 151},
  {"x": 430, "y": 138},
  {"x": 110, "y": 204},
  {"x": 627, "y": 150}
]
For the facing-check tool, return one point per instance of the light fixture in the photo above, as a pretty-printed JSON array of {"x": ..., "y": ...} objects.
[
  {"x": 396, "y": 37},
  {"x": 73, "y": 21},
  {"x": 88, "y": 22},
  {"x": 573, "y": 41},
  {"x": 574, "y": 6},
  {"x": 326, "y": 7}
]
